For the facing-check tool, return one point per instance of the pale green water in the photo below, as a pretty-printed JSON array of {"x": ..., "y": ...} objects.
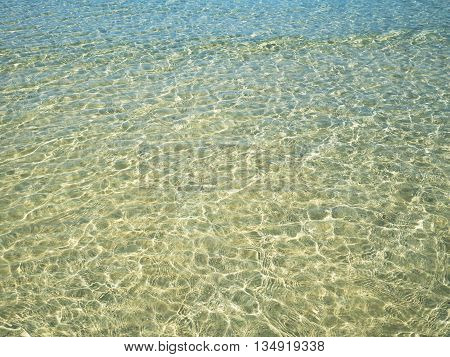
[{"x": 216, "y": 168}]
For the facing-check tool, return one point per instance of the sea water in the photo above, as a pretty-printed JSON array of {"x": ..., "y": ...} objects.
[{"x": 224, "y": 168}]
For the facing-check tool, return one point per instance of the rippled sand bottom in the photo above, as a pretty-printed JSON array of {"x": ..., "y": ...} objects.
[{"x": 339, "y": 227}]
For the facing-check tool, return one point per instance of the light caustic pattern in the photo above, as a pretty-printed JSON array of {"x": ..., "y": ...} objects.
[{"x": 222, "y": 168}]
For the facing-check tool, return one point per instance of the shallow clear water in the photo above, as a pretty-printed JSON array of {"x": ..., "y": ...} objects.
[{"x": 224, "y": 168}]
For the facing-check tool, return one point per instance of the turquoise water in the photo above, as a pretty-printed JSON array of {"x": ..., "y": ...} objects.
[{"x": 224, "y": 168}]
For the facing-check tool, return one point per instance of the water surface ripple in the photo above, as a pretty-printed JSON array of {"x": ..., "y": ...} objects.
[{"x": 224, "y": 168}]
